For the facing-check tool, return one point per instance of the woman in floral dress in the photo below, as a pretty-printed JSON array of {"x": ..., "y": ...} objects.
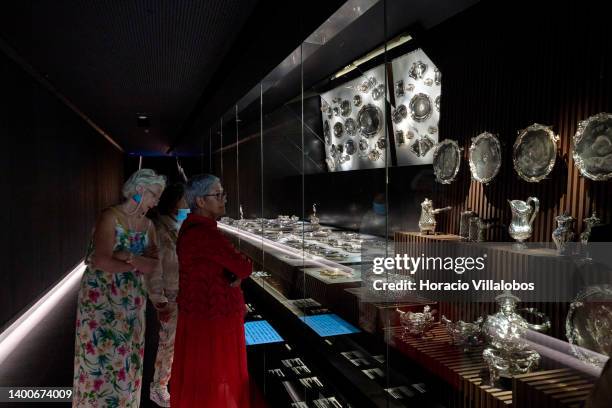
[{"x": 110, "y": 325}]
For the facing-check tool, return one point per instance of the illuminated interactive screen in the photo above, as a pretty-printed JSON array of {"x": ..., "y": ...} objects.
[
  {"x": 326, "y": 325},
  {"x": 260, "y": 332}
]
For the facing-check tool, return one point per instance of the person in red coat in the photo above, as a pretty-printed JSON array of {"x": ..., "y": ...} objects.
[{"x": 209, "y": 368}]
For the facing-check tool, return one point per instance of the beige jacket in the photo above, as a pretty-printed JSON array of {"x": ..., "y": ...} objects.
[{"x": 162, "y": 284}]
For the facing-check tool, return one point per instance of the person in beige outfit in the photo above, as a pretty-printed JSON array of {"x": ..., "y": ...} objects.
[{"x": 163, "y": 286}]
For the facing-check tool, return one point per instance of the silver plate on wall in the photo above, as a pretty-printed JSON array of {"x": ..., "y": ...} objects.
[
  {"x": 446, "y": 161},
  {"x": 349, "y": 147},
  {"x": 369, "y": 120},
  {"x": 350, "y": 127},
  {"x": 535, "y": 152},
  {"x": 485, "y": 157},
  {"x": 420, "y": 107},
  {"x": 589, "y": 323},
  {"x": 357, "y": 100},
  {"x": 399, "y": 114},
  {"x": 422, "y": 146},
  {"x": 338, "y": 129},
  {"x": 345, "y": 108},
  {"x": 417, "y": 70},
  {"x": 592, "y": 147}
]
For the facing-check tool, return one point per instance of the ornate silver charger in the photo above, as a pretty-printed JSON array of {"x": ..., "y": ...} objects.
[
  {"x": 592, "y": 147},
  {"x": 345, "y": 108},
  {"x": 420, "y": 107},
  {"x": 369, "y": 120},
  {"x": 535, "y": 152},
  {"x": 350, "y": 126},
  {"x": 589, "y": 323},
  {"x": 446, "y": 161},
  {"x": 357, "y": 100},
  {"x": 422, "y": 146},
  {"x": 399, "y": 113},
  {"x": 485, "y": 157},
  {"x": 349, "y": 147},
  {"x": 338, "y": 129}
]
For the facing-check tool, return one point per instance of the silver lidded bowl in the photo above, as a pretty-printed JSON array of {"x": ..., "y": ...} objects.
[
  {"x": 417, "y": 323},
  {"x": 465, "y": 334}
]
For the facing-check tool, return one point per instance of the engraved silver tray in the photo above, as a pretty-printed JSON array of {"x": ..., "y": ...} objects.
[
  {"x": 485, "y": 157},
  {"x": 592, "y": 147},
  {"x": 369, "y": 120},
  {"x": 535, "y": 152},
  {"x": 420, "y": 107},
  {"x": 446, "y": 161}
]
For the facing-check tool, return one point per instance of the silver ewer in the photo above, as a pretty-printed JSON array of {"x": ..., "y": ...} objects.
[
  {"x": 564, "y": 233},
  {"x": 427, "y": 221},
  {"x": 523, "y": 214}
]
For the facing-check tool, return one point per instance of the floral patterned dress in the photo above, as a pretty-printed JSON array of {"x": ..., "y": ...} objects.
[{"x": 110, "y": 327}]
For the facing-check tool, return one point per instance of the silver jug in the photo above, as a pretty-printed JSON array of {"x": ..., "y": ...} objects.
[
  {"x": 427, "y": 222},
  {"x": 564, "y": 233},
  {"x": 464, "y": 223},
  {"x": 523, "y": 214}
]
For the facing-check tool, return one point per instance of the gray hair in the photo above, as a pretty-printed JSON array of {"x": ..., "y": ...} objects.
[
  {"x": 142, "y": 177},
  {"x": 198, "y": 186}
]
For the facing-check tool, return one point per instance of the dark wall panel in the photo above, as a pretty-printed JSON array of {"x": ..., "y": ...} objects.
[{"x": 57, "y": 173}]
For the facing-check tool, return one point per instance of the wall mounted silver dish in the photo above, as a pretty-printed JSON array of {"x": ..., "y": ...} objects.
[
  {"x": 381, "y": 143},
  {"x": 338, "y": 129},
  {"x": 332, "y": 151},
  {"x": 378, "y": 92},
  {"x": 349, "y": 147},
  {"x": 363, "y": 144},
  {"x": 350, "y": 127},
  {"x": 437, "y": 103},
  {"x": 592, "y": 147},
  {"x": 400, "y": 139},
  {"x": 420, "y": 107},
  {"x": 437, "y": 76},
  {"x": 589, "y": 323},
  {"x": 336, "y": 111},
  {"x": 399, "y": 88},
  {"x": 329, "y": 112},
  {"x": 369, "y": 120},
  {"x": 446, "y": 161},
  {"x": 535, "y": 152},
  {"x": 374, "y": 155},
  {"x": 345, "y": 108},
  {"x": 485, "y": 157},
  {"x": 326, "y": 132},
  {"x": 357, "y": 100},
  {"x": 417, "y": 70},
  {"x": 399, "y": 114},
  {"x": 422, "y": 146}
]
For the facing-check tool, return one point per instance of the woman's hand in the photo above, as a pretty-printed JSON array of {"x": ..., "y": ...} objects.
[
  {"x": 143, "y": 264},
  {"x": 122, "y": 255},
  {"x": 164, "y": 310}
]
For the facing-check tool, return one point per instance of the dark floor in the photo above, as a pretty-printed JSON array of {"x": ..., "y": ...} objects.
[{"x": 45, "y": 358}]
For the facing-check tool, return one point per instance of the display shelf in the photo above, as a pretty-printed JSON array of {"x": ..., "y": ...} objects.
[{"x": 552, "y": 389}]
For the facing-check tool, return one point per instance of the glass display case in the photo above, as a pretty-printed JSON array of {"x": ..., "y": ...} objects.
[{"x": 346, "y": 187}]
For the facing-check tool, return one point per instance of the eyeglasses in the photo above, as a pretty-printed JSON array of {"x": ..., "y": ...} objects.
[
  {"x": 218, "y": 196},
  {"x": 154, "y": 194}
]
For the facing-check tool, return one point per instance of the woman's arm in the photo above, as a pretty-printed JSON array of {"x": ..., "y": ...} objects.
[
  {"x": 155, "y": 280},
  {"x": 104, "y": 243},
  {"x": 219, "y": 250},
  {"x": 148, "y": 262}
]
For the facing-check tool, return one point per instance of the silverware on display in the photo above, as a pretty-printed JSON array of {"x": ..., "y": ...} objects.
[
  {"x": 345, "y": 108},
  {"x": 378, "y": 92},
  {"x": 485, "y": 157},
  {"x": 357, "y": 100},
  {"x": 427, "y": 220},
  {"x": 420, "y": 107},
  {"x": 350, "y": 126},
  {"x": 399, "y": 88},
  {"x": 422, "y": 145},
  {"x": 464, "y": 223},
  {"x": 564, "y": 233},
  {"x": 399, "y": 114},
  {"x": 349, "y": 147},
  {"x": 523, "y": 214},
  {"x": 535, "y": 152},
  {"x": 465, "y": 334},
  {"x": 338, "y": 129},
  {"x": 446, "y": 161},
  {"x": 417, "y": 70},
  {"x": 381, "y": 143},
  {"x": 369, "y": 120},
  {"x": 417, "y": 323},
  {"x": 437, "y": 103},
  {"x": 592, "y": 147},
  {"x": 374, "y": 155}
]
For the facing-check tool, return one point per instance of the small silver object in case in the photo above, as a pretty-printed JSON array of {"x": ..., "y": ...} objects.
[
  {"x": 467, "y": 335},
  {"x": 427, "y": 221},
  {"x": 564, "y": 233},
  {"x": 416, "y": 323},
  {"x": 464, "y": 223},
  {"x": 592, "y": 147},
  {"x": 523, "y": 214},
  {"x": 446, "y": 161},
  {"x": 485, "y": 157}
]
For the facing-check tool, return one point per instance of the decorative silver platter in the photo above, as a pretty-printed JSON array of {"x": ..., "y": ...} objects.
[
  {"x": 338, "y": 129},
  {"x": 350, "y": 126},
  {"x": 369, "y": 120},
  {"x": 592, "y": 147},
  {"x": 485, "y": 157},
  {"x": 446, "y": 161},
  {"x": 349, "y": 147},
  {"x": 345, "y": 108},
  {"x": 535, "y": 152},
  {"x": 420, "y": 107},
  {"x": 589, "y": 324}
]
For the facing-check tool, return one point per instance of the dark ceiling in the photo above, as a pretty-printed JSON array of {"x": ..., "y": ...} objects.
[{"x": 170, "y": 60}]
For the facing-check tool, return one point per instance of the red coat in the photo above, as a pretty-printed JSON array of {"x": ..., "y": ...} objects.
[{"x": 204, "y": 253}]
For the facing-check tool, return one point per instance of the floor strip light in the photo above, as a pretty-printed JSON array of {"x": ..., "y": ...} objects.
[{"x": 20, "y": 328}]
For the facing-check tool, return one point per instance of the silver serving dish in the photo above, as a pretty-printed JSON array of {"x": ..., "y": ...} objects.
[
  {"x": 370, "y": 120},
  {"x": 501, "y": 364},
  {"x": 345, "y": 108},
  {"x": 417, "y": 70},
  {"x": 374, "y": 155},
  {"x": 340, "y": 148},
  {"x": 350, "y": 126},
  {"x": 400, "y": 139},
  {"x": 349, "y": 147},
  {"x": 422, "y": 146},
  {"x": 363, "y": 144},
  {"x": 338, "y": 129},
  {"x": 485, "y": 157},
  {"x": 588, "y": 325},
  {"x": 333, "y": 152},
  {"x": 378, "y": 92},
  {"x": 535, "y": 152},
  {"x": 467, "y": 335},
  {"x": 446, "y": 161},
  {"x": 420, "y": 107},
  {"x": 381, "y": 143},
  {"x": 417, "y": 323},
  {"x": 357, "y": 100},
  {"x": 399, "y": 114},
  {"x": 592, "y": 147}
]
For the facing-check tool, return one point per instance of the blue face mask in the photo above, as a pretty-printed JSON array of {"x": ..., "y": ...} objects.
[
  {"x": 137, "y": 197},
  {"x": 379, "y": 208},
  {"x": 182, "y": 214}
]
